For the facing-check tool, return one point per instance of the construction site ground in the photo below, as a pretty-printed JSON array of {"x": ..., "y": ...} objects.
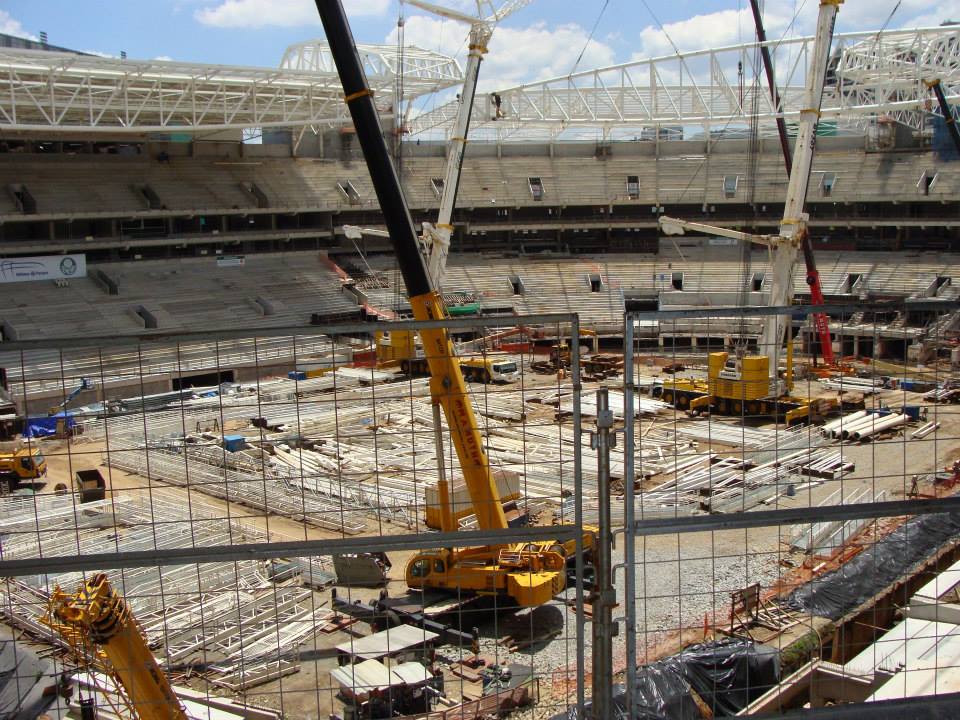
[{"x": 683, "y": 582}]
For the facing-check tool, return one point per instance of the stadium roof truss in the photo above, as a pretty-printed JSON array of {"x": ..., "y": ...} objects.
[
  {"x": 76, "y": 93},
  {"x": 872, "y": 74}
]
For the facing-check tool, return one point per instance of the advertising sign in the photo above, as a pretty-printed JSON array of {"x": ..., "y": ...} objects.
[{"x": 43, "y": 267}]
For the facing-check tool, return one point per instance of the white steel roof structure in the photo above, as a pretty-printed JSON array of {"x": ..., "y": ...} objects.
[
  {"x": 872, "y": 73},
  {"x": 81, "y": 93}
]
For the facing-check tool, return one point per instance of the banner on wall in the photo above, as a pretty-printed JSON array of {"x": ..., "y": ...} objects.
[
  {"x": 43, "y": 267},
  {"x": 231, "y": 260}
]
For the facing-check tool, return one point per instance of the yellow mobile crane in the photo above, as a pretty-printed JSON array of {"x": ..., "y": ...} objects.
[
  {"x": 529, "y": 573},
  {"x": 98, "y": 624},
  {"x": 752, "y": 384}
]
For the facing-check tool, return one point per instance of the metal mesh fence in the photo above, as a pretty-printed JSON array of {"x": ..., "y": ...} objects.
[
  {"x": 271, "y": 511},
  {"x": 786, "y": 553},
  {"x": 256, "y": 503}
]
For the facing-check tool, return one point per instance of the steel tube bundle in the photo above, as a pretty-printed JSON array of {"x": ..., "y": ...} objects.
[
  {"x": 925, "y": 430},
  {"x": 885, "y": 423},
  {"x": 828, "y": 429},
  {"x": 857, "y": 425}
]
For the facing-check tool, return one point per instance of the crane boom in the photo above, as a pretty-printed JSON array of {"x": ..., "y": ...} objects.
[
  {"x": 447, "y": 385},
  {"x": 793, "y": 227},
  {"x": 97, "y": 615},
  {"x": 437, "y": 236},
  {"x": 813, "y": 275},
  {"x": 945, "y": 109},
  {"x": 529, "y": 573}
]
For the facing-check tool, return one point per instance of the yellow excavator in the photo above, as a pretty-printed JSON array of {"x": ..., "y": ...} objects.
[
  {"x": 526, "y": 574},
  {"x": 100, "y": 628}
]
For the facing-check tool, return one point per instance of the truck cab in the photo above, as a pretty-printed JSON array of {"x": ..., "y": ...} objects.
[
  {"x": 505, "y": 371},
  {"x": 23, "y": 464}
]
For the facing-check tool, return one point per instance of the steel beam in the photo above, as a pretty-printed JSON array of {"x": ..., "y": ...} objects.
[
  {"x": 878, "y": 73},
  {"x": 162, "y": 557},
  {"x": 66, "y": 92},
  {"x": 791, "y": 516}
]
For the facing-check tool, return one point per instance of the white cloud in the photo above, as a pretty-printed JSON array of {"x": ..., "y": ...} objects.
[
  {"x": 721, "y": 28},
  {"x": 921, "y": 14},
  {"x": 538, "y": 52},
  {"x": 432, "y": 33},
  {"x": 517, "y": 55},
  {"x": 785, "y": 18},
  {"x": 11, "y": 26},
  {"x": 283, "y": 13},
  {"x": 163, "y": 58}
]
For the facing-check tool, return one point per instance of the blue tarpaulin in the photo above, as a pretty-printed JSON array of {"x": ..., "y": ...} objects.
[{"x": 45, "y": 426}]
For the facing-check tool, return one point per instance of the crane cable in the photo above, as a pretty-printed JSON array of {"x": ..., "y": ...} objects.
[{"x": 589, "y": 37}]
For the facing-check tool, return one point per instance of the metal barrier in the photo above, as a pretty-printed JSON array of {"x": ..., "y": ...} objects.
[{"x": 241, "y": 469}]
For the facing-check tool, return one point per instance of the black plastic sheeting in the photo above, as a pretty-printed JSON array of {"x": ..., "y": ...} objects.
[
  {"x": 28, "y": 684},
  {"x": 727, "y": 675},
  {"x": 853, "y": 583}
]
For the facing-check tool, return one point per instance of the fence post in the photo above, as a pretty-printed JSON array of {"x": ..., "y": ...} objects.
[
  {"x": 629, "y": 538},
  {"x": 604, "y": 596}
]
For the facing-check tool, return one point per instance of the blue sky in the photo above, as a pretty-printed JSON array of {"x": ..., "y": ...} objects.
[{"x": 542, "y": 40}]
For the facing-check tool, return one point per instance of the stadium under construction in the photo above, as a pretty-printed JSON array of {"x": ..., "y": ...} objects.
[{"x": 622, "y": 394}]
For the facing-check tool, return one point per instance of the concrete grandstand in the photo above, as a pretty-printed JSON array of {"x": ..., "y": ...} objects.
[{"x": 152, "y": 210}]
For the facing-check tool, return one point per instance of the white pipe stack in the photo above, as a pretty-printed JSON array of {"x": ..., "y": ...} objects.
[
  {"x": 828, "y": 429},
  {"x": 881, "y": 424},
  {"x": 859, "y": 424}
]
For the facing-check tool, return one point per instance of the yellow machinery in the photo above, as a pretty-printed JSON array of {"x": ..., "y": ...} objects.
[
  {"x": 738, "y": 386},
  {"x": 400, "y": 348},
  {"x": 527, "y": 574},
  {"x": 98, "y": 624},
  {"x": 23, "y": 464}
]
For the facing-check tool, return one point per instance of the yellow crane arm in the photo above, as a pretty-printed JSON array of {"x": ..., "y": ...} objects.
[
  {"x": 447, "y": 387},
  {"x": 97, "y": 615}
]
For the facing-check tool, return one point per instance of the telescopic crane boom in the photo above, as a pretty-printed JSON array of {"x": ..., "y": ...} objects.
[
  {"x": 813, "y": 275},
  {"x": 437, "y": 236},
  {"x": 946, "y": 110},
  {"x": 793, "y": 227},
  {"x": 97, "y": 622},
  {"x": 529, "y": 573}
]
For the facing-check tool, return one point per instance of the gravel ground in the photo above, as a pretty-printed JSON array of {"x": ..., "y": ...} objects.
[{"x": 681, "y": 578}]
